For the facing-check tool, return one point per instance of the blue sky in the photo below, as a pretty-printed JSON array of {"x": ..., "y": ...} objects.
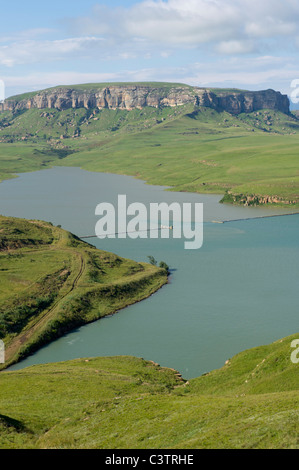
[{"x": 252, "y": 44}]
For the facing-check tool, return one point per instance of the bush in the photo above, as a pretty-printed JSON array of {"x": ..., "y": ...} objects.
[{"x": 165, "y": 266}]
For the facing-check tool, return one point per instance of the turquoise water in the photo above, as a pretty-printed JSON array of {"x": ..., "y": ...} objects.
[{"x": 238, "y": 291}]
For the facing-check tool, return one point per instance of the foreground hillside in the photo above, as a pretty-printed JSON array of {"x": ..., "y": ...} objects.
[
  {"x": 51, "y": 282},
  {"x": 125, "y": 402},
  {"x": 248, "y": 154}
]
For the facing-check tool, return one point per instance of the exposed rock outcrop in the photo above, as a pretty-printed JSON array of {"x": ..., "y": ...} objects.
[
  {"x": 255, "y": 200},
  {"x": 139, "y": 96},
  {"x": 248, "y": 102}
]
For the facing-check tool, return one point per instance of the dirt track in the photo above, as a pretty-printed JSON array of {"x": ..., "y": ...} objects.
[{"x": 17, "y": 342}]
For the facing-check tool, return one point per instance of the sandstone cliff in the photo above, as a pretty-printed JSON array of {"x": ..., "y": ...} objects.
[{"x": 139, "y": 96}]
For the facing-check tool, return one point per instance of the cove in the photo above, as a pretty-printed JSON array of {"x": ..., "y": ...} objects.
[{"x": 238, "y": 291}]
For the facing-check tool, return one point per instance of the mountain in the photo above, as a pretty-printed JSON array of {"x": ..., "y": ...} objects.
[
  {"x": 242, "y": 144},
  {"x": 138, "y": 96}
]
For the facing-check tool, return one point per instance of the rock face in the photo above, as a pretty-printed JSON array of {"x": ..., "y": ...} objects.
[
  {"x": 254, "y": 200},
  {"x": 139, "y": 96},
  {"x": 248, "y": 102}
]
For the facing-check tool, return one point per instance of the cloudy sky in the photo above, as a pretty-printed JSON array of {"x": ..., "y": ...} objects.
[{"x": 252, "y": 44}]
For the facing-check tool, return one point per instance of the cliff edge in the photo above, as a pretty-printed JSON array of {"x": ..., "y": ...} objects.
[{"x": 134, "y": 96}]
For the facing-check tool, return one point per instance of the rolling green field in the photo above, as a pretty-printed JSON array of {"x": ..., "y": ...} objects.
[
  {"x": 51, "y": 282},
  {"x": 128, "y": 403},
  {"x": 190, "y": 155},
  {"x": 187, "y": 148}
]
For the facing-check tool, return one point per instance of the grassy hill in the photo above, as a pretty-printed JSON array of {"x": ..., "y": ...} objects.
[
  {"x": 186, "y": 147},
  {"x": 126, "y": 402},
  {"x": 51, "y": 282}
]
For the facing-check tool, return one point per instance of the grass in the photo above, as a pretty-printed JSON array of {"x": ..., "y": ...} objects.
[
  {"x": 126, "y": 402},
  {"x": 52, "y": 282},
  {"x": 187, "y": 148},
  {"x": 192, "y": 154}
]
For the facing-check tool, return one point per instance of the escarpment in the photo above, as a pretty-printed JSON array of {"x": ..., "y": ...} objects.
[{"x": 132, "y": 96}]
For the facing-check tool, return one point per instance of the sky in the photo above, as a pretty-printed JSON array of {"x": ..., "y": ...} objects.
[{"x": 247, "y": 44}]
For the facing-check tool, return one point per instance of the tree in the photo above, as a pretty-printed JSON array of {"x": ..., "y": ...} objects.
[{"x": 152, "y": 260}]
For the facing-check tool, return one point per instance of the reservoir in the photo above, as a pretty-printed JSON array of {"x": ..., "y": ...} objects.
[{"x": 239, "y": 290}]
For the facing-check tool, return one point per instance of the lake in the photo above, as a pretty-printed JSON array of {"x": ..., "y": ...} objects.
[{"x": 238, "y": 291}]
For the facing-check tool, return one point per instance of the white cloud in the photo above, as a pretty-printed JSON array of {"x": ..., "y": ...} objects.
[
  {"x": 29, "y": 51},
  {"x": 254, "y": 73},
  {"x": 195, "y": 22},
  {"x": 42, "y": 80},
  {"x": 270, "y": 27},
  {"x": 236, "y": 47},
  {"x": 149, "y": 28},
  {"x": 257, "y": 73},
  {"x": 26, "y": 34},
  {"x": 188, "y": 22},
  {"x": 152, "y": 32}
]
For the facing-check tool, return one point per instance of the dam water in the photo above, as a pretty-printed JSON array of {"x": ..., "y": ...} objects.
[{"x": 238, "y": 291}]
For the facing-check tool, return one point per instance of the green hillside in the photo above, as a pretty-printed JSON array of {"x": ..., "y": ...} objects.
[
  {"x": 126, "y": 402},
  {"x": 188, "y": 148},
  {"x": 51, "y": 282}
]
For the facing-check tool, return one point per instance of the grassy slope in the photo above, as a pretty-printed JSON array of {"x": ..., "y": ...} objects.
[
  {"x": 125, "y": 402},
  {"x": 50, "y": 282},
  {"x": 202, "y": 154},
  {"x": 191, "y": 150}
]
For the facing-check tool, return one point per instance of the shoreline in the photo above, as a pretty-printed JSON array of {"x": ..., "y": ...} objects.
[{"x": 172, "y": 189}]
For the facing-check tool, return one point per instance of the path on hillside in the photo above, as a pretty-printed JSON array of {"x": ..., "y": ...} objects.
[{"x": 17, "y": 342}]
